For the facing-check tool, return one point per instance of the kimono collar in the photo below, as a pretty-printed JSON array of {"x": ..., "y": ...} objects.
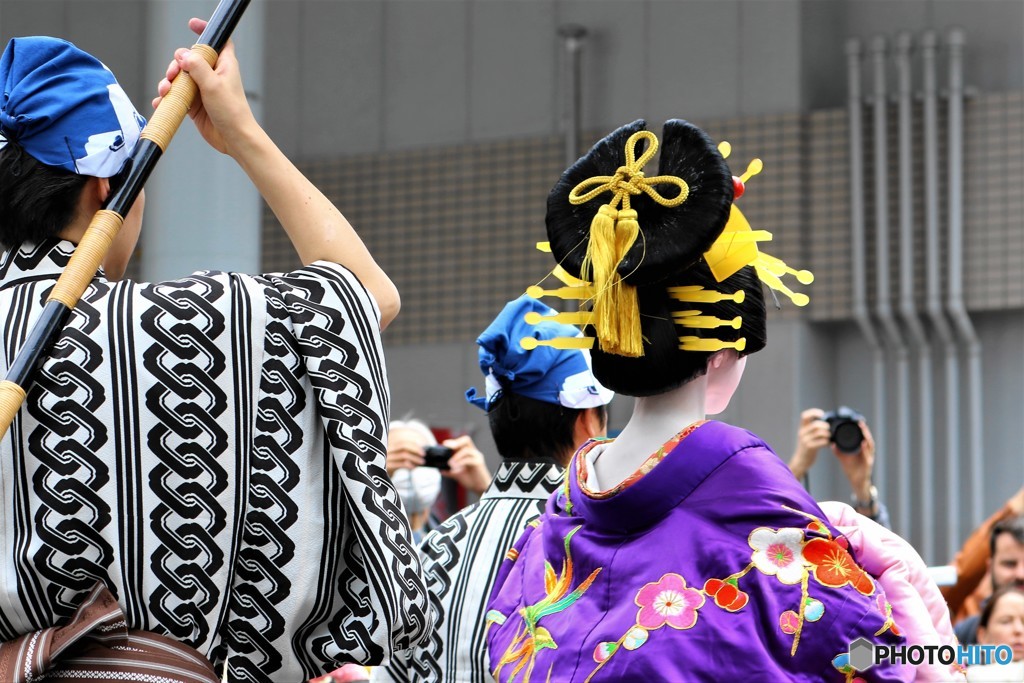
[
  {"x": 31, "y": 262},
  {"x": 650, "y": 498},
  {"x": 537, "y": 478}
]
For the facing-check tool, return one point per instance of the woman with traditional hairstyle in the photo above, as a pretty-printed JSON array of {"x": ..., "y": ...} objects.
[
  {"x": 683, "y": 550},
  {"x": 203, "y": 458}
]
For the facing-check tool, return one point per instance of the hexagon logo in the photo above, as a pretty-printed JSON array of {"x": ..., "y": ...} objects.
[{"x": 862, "y": 654}]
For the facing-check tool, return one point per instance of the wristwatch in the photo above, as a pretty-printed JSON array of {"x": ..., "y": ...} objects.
[{"x": 867, "y": 507}]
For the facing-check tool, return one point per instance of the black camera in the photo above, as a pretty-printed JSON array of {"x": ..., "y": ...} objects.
[
  {"x": 437, "y": 457},
  {"x": 846, "y": 432}
]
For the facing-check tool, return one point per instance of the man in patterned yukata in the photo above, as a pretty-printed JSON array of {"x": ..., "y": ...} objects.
[
  {"x": 541, "y": 406},
  {"x": 208, "y": 451}
]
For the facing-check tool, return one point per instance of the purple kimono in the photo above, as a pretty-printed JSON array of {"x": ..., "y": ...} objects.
[{"x": 715, "y": 566}]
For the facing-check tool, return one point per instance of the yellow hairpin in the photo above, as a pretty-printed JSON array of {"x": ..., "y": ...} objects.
[
  {"x": 708, "y": 322},
  {"x": 537, "y": 292},
  {"x": 771, "y": 270},
  {"x": 695, "y": 294},
  {"x": 567, "y": 318},
  {"x": 567, "y": 279},
  {"x": 710, "y": 345},
  {"x": 530, "y": 343}
]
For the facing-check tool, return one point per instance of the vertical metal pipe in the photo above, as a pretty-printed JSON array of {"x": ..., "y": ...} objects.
[
  {"x": 858, "y": 241},
  {"x": 933, "y": 275},
  {"x": 957, "y": 309},
  {"x": 917, "y": 336},
  {"x": 893, "y": 338},
  {"x": 572, "y": 36}
]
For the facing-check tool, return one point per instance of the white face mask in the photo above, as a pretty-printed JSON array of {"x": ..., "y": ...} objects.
[{"x": 418, "y": 488}]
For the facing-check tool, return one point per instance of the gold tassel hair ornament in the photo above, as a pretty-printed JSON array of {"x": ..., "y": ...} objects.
[{"x": 613, "y": 230}]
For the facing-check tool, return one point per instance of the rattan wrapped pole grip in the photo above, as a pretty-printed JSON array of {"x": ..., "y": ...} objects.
[
  {"x": 175, "y": 104},
  {"x": 11, "y": 398},
  {"x": 91, "y": 251}
]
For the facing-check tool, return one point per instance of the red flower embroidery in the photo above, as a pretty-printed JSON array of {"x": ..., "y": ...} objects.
[
  {"x": 726, "y": 594},
  {"x": 834, "y": 567}
]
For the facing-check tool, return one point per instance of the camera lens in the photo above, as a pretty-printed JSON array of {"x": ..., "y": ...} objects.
[{"x": 847, "y": 436}]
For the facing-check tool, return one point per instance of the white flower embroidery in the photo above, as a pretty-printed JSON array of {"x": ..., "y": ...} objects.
[{"x": 778, "y": 553}]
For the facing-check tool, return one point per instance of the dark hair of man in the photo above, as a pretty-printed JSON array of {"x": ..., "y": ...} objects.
[
  {"x": 527, "y": 429},
  {"x": 1013, "y": 526},
  {"x": 990, "y": 604},
  {"x": 36, "y": 201}
]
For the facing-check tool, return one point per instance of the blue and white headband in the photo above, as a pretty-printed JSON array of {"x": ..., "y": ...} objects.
[
  {"x": 64, "y": 108},
  {"x": 557, "y": 376}
]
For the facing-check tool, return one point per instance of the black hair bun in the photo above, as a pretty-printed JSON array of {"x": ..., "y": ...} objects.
[{"x": 671, "y": 239}]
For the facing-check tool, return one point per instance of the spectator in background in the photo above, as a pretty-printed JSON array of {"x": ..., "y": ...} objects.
[
  {"x": 467, "y": 465},
  {"x": 417, "y": 485},
  {"x": 814, "y": 434},
  {"x": 973, "y": 562},
  {"x": 1006, "y": 565},
  {"x": 1001, "y": 622},
  {"x": 541, "y": 405}
]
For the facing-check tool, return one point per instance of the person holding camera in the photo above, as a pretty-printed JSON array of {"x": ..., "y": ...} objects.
[
  {"x": 852, "y": 443},
  {"x": 456, "y": 458}
]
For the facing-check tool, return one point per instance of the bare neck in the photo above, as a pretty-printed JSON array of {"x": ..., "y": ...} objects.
[{"x": 655, "y": 420}]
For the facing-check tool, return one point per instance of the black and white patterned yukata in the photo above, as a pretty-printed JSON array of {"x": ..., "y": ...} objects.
[
  {"x": 213, "y": 449},
  {"x": 460, "y": 561}
]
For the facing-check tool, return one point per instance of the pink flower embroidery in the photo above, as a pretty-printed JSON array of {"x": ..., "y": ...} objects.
[{"x": 668, "y": 601}]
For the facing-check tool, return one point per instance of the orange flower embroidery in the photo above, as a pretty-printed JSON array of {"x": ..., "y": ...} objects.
[{"x": 834, "y": 567}]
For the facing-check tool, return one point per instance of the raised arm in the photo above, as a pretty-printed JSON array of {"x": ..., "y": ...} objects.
[{"x": 314, "y": 225}]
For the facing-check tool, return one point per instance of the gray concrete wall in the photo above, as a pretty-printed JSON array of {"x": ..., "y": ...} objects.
[
  {"x": 353, "y": 76},
  {"x": 348, "y": 77},
  {"x": 378, "y": 76}
]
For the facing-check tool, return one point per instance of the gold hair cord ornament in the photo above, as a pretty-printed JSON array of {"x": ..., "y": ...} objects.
[{"x": 612, "y": 232}]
